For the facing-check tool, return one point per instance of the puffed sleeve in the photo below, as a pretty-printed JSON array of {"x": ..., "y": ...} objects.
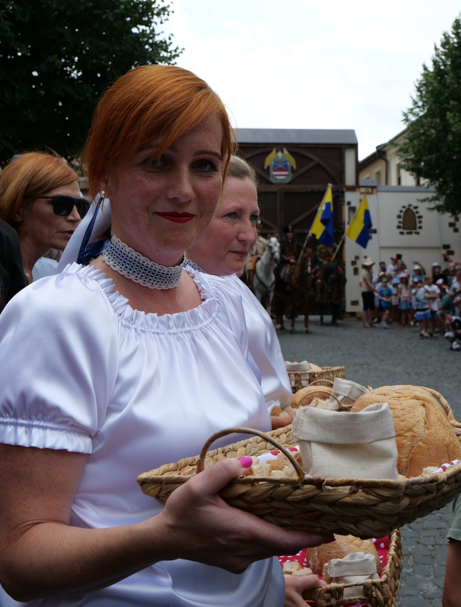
[{"x": 58, "y": 363}]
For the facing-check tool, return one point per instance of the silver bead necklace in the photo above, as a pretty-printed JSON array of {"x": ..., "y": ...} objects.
[
  {"x": 191, "y": 264},
  {"x": 127, "y": 262}
]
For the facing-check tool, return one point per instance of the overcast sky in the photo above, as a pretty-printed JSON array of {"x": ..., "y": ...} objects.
[{"x": 331, "y": 64}]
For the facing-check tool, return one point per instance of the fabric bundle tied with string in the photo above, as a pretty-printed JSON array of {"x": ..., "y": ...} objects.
[{"x": 336, "y": 444}]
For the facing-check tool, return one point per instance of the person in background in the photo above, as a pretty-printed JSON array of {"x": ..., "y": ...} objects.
[
  {"x": 382, "y": 266},
  {"x": 395, "y": 300},
  {"x": 446, "y": 298},
  {"x": 453, "y": 326},
  {"x": 418, "y": 272},
  {"x": 40, "y": 198},
  {"x": 368, "y": 292},
  {"x": 222, "y": 251},
  {"x": 455, "y": 286},
  {"x": 437, "y": 274},
  {"x": 392, "y": 268},
  {"x": 12, "y": 277},
  {"x": 385, "y": 297},
  {"x": 450, "y": 596},
  {"x": 404, "y": 299},
  {"x": 421, "y": 307},
  {"x": 433, "y": 296}
]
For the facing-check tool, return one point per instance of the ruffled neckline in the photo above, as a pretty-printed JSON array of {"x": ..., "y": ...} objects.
[{"x": 191, "y": 320}]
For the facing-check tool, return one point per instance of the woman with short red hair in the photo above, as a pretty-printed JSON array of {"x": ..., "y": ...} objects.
[{"x": 129, "y": 363}]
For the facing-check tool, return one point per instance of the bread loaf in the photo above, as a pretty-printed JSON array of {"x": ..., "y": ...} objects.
[
  {"x": 306, "y": 395},
  {"x": 345, "y": 544},
  {"x": 423, "y": 433}
]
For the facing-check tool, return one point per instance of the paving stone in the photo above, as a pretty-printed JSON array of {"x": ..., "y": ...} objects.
[
  {"x": 433, "y": 593},
  {"x": 423, "y": 560},
  {"x": 439, "y": 571},
  {"x": 408, "y": 591},
  {"x": 426, "y": 541},
  {"x": 423, "y": 570},
  {"x": 413, "y": 601}
]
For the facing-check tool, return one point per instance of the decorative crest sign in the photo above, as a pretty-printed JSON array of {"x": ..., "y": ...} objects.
[{"x": 280, "y": 165}]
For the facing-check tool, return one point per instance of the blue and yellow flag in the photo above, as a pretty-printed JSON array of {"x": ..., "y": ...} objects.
[
  {"x": 359, "y": 227},
  {"x": 322, "y": 228}
]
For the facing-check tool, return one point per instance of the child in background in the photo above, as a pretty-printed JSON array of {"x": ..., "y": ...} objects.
[
  {"x": 404, "y": 299},
  {"x": 423, "y": 314},
  {"x": 395, "y": 301},
  {"x": 432, "y": 296},
  {"x": 385, "y": 296}
]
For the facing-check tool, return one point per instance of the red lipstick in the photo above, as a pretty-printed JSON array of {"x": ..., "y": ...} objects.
[{"x": 176, "y": 217}]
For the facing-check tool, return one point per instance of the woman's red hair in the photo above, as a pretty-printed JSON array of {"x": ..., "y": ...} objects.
[{"x": 152, "y": 102}]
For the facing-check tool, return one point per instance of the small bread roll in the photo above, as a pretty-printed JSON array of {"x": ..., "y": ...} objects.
[
  {"x": 345, "y": 544},
  {"x": 305, "y": 396},
  {"x": 290, "y": 568},
  {"x": 302, "y": 572},
  {"x": 423, "y": 433}
]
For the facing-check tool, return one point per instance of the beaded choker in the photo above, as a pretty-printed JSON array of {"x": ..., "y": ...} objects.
[
  {"x": 190, "y": 264},
  {"x": 127, "y": 262}
]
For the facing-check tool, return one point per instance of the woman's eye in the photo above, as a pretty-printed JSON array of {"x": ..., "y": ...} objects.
[
  {"x": 205, "y": 165},
  {"x": 232, "y": 215},
  {"x": 254, "y": 218}
]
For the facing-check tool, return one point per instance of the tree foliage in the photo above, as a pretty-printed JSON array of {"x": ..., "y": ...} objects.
[
  {"x": 432, "y": 149},
  {"x": 58, "y": 56}
]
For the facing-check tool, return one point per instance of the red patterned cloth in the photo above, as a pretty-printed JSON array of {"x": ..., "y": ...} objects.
[{"x": 382, "y": 546}]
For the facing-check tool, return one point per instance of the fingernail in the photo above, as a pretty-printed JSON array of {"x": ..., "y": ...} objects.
[{"x": 245, "y": 461}]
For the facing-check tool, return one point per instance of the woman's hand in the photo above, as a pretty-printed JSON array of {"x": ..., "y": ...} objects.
[
  {"x": 281, "y": 421},
  {"x": 295, "y": 586},
  {"x": 198, "y": 525}
]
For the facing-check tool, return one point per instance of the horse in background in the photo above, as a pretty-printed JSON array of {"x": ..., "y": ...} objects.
[
  {"x": 298, "y": 287},
  {"x": 262, "y": 278}
]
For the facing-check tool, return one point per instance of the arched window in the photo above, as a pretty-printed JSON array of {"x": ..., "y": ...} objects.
[{"x": 409, "y": 220}]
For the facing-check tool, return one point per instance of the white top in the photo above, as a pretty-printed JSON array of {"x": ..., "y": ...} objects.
[
  {"x": 81, "y": 370},
  {"x": 44, "y": 267},
  {"x": 264, "y": 346},
  {"x": 433, "y": 303}
]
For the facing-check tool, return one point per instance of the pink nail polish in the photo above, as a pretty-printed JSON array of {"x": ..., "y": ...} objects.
[{"x": 245, "y": 461}]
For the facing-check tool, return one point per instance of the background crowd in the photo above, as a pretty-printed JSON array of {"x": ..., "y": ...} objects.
[{"x": 399, "y": 295}]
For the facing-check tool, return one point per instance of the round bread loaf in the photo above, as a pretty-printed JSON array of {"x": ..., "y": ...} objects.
[
  {"x": 345, "y": 544},
  {"x": 423, "y": 433},
  {"x": 305, "y": 396}
]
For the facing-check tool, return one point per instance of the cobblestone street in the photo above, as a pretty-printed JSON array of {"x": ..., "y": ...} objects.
[{"x": 380, "y": 357}]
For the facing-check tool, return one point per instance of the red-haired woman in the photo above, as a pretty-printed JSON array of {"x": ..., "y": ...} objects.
[
  {"x": 40, "y": 198},
  {"x": 127, "y": 364}
]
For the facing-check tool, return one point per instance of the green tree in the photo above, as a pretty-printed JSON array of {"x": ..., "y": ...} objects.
[
  {"x": 432, "y": 148},
  {"x": 58, "y": 56}
]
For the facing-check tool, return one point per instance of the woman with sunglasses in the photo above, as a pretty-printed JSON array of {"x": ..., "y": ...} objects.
[
  {"x": 40, "y": 198},
  {"x": 129, "y": 363}
]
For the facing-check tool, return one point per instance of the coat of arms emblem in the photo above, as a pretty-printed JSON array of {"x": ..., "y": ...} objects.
[{"x": 280, "y": 165}]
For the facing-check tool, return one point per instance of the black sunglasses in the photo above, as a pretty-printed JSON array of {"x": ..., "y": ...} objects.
[{"x": 64, "y": 205}]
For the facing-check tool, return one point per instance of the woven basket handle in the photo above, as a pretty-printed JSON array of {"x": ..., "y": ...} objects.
[
  {"x": 321, "y": 392},
  {"x": 266, "y": 437},
  {"x": 311, "y": 383}
]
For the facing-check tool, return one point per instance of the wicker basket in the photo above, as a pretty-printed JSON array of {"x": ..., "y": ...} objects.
[
  {"x": 383, "y": 592},
  {"x": 299, "y": 379},
  {"x": 365, "y": 508}
]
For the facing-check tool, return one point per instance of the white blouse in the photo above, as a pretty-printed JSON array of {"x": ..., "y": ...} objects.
[
  {"x": 81, "y": 370},
  {"x": 264, "y": 346}
]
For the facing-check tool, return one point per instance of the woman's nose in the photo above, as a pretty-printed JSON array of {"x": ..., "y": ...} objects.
[
  {"x": 74, "y": 215},
  {"x": 248, "y": 232},
  {"x": 179, "y": 186}
]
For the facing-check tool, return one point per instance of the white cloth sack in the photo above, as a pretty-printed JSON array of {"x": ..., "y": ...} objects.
[
  {"x": 336, "y": 444},
  {"x": 346, "y": 391},
  {"x": 353, "y": 568}
]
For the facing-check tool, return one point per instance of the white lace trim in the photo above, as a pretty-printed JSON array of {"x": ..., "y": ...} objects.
[
  {"x": 181, "y": 322},
  {"x": 131, "y": 264}
]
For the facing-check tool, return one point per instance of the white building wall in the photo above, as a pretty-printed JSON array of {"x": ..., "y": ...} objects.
[{"x": 437, "y": 234}]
